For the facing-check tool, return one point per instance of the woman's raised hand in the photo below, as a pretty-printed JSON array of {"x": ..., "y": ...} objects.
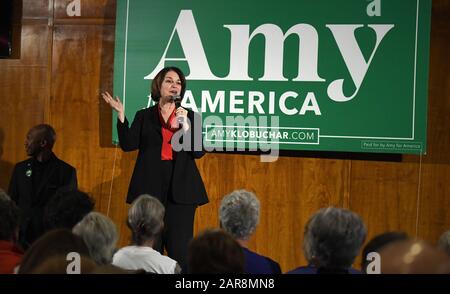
[{"x": 115, "y": 104}]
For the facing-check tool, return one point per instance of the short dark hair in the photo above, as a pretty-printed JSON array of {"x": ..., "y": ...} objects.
[
  {"x": 378, "y": 242},
  {"x": 48, "y": 133},
  {"x": 67, "y": 208},
  {"x": 215, "y": 252},
  {"x": 9, "y": 217},
  {"x": 159, "y": 78},
  {"x": 54, "y": 243}
]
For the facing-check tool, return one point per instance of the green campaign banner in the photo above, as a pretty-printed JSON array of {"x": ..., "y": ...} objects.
[{"x": 331, "y": 75}]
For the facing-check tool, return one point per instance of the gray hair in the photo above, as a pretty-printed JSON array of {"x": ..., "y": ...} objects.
[
  {"x": 239, "y": 214},
  {"x": 100, "y": 235},
  {"x": 444, "y": 242},
  {"x": 146, "y": 218},
  {"x": 333, "y": 237}
]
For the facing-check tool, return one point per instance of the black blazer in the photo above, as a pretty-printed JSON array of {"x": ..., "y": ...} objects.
[
  {"x": 32, "y": 203},
  {"x": 145, "y": 135}
]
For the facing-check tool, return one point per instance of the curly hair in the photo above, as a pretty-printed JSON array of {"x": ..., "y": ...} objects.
[
  {"x": 333, "y": 237},
  {"x": 239, "y": 214}
]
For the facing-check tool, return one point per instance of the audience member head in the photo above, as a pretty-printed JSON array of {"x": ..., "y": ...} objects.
[
  {"x": 9, "y": 218},
  {"x": 58, "y": 242},
  {"x": 67, "y": 208},
  {"x": 146, "y": 219},
  {"x": 40, "y": 138},
  {"x": 378, "y": 242},
  {"x": 333, "y": 238},
  {"x": 413, "y": 257},
  {"x": 239, "y": 214},
  {"x": 444, "y": 242},
  {"x": 100, "y": 235},
  {"x": 215, "y": 252}
]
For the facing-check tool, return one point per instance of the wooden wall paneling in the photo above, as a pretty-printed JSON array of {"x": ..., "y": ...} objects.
[
  {"x": 37, "y": 9},
  {"x": 385, "y": 194},
  {"x": 75, "y": 97},
  {"x": 438, "y": 134},
  {"x": 23, "y": 88},
  {"x": 434, "y": 204},
  {"x": 434, "y": 217},
  {"x": 90, "y": 9},
  {"x": 81, "y": 69},
  {"x": 22, "y": 92},
  {"x": 290, "y": 190},
  {"x": 296, "y": 188}
]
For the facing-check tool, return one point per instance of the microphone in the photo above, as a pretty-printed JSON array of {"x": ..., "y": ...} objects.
[{"x": 177, "y": 100}]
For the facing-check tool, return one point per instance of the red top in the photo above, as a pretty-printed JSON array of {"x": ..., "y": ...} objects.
[
  {"x": 167, "y": 130},
  {"x": 10, "y": 257}
]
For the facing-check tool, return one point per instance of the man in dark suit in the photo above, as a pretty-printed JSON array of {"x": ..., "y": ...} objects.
[{"x": 35, "y": 181}]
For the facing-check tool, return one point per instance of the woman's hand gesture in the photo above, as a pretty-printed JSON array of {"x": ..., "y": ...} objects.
[{"x": 115, "y": 104}]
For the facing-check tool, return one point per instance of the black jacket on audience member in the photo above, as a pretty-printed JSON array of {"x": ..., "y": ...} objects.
[{"x": 32, "y": 185}]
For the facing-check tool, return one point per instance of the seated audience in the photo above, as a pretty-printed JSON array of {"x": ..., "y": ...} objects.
[
  {"x": 10, "y": 253},
  {"x": 146, "y": 222},
  {"x": 332, "y": 240},
  {"x": 100, "y": 235},
  {"x": 377, "y": 243},
  {"x": 239, "y": 216},
  {"x": 215, "y": 252},
  {"x": 58, "y": 244}
]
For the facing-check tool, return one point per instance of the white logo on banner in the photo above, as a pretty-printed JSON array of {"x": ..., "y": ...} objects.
[{"x": 344, "y": 35}]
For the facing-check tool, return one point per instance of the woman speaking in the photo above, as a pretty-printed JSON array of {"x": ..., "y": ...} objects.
[{"x": 160, "y": 171}]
